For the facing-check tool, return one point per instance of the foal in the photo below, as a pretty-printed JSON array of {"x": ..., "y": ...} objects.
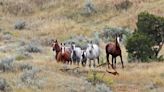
[{"x": 114, "y": 50}]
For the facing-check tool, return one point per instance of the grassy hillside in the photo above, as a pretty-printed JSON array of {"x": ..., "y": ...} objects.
[
  {"x": 61, "y": 19},
  {"x": 51, "y": 17}
]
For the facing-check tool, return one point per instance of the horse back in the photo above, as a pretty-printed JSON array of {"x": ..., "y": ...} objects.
[{"x": 112, "y": 49}]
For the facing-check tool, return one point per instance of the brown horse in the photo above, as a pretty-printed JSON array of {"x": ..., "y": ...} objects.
[
  {"x": 113, "y": 49},
  {"x": 62, "y": 54},
  {"x": 57, "y": 48},
  {"x": 66, "y": 54}
]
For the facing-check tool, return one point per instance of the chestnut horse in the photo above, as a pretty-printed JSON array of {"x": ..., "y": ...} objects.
[
  {"x": 62, "y": 54},
  {"x": 114, "y": 49}
]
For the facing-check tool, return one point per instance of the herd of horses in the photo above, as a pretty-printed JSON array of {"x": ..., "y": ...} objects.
[{"x": 73, "y": 54}]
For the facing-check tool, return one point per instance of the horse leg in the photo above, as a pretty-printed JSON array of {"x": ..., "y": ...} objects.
[
  {"x": 115, "y": 62},
  {"x": 107, "y": 57},
  {"x": 112, "y": 62},
  {"x": 70, "y": 62},
  {"x": 122, "y": 61},
  {"x": 98, "y": 60}
]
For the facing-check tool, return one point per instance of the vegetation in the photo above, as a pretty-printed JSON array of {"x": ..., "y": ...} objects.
[
  {"x": 109, "y": 33},
  {"x": 139, "y": 47},
  {"x": 147, "y": 41},
  {"x": 153, "y": 27},
  {"x": 78, "y": 21}
]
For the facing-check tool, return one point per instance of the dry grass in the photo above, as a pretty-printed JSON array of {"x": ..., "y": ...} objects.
[{"x": 61, "y": 19}]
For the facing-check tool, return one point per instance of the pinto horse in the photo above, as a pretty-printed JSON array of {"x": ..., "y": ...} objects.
[
  {"x": 114, "y": 49},
  {"x": 66, "y": 54},
  {"x": 62, "y": 54}
]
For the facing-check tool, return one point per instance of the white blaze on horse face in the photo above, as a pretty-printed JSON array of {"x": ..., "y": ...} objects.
[
  {"x": 73, "y": 46},
  {"x": 118, "y": 39},
  {"x": 63, "y": 49}
]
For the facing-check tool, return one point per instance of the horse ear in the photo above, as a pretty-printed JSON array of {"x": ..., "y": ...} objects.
[
  {"x": 91, "y": 42},
  {"x": 56, "y": 41}
]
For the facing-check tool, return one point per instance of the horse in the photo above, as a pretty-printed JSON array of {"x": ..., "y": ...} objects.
[
  {"x": 57, "y": 48},
  {"x": 66, "y": 54},
  {"x": 62, "y": 53},
  {"x": 76, "y": 54},
  {"x": 113, "y": 49},
  {"x": 92, "y": 53},
  {"x": 84, "y": 58}
]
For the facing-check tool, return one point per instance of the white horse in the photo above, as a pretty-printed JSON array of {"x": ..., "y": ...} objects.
[
  {"x": 76, "y": 54},
  {"x": 92, "y": 53}
]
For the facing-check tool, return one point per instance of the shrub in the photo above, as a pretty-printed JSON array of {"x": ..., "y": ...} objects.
[
  {"x": 147, "y": 41},
  {"x": 19, "y": 24},
  {"x": 89, "y": 8},
  {"x": 4, "y": 86},
  {"x": 153, "y": 27},
  {"x": 102, "y": 88},
  {"x": 108, "y": 34},
  {"x": 31, "y": 78},
  {"x": 25, "y": 67},
  {"x": 139, "y": 47},
  {"x": 80, "y": 41},
  {"x": 33, "y": 47},
  {"x": 6, "y": 64},
  {"x": 7, "y": 37},
  {"x": 124, "y": 5}
]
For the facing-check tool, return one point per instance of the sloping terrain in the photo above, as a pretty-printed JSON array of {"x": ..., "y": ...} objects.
[{"x": 61, "y": 19}]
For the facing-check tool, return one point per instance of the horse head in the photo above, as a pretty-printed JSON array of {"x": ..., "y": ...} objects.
[
  {"x": 62, "y": 48},
  {"x": 55, "y": 46},
  {"x": 73, "y": 46}
]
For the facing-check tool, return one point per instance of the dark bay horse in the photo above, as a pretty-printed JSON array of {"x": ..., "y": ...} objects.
[
  {"x": 113, "y": 49},
  {"x": 62, "y": 54}
]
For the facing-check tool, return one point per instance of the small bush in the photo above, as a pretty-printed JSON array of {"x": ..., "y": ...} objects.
[
  {"x": 124, "y": 5},
  {"x": 19, "y": 24},
  {"x": 89, "y": 8},
  {"x": 31, "y": 78},
  {"x": 102, "y": 88},
  {"x": 108, "y": 34},
  {"x": 6, "y": 64},
  {"x": 25, "y": 67},
  {"x": 33, "y": 47},
  {"x": 7, "y": 37},
  {"x": 4, "y": 86},
  {"x": 80, "y": 41}
]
